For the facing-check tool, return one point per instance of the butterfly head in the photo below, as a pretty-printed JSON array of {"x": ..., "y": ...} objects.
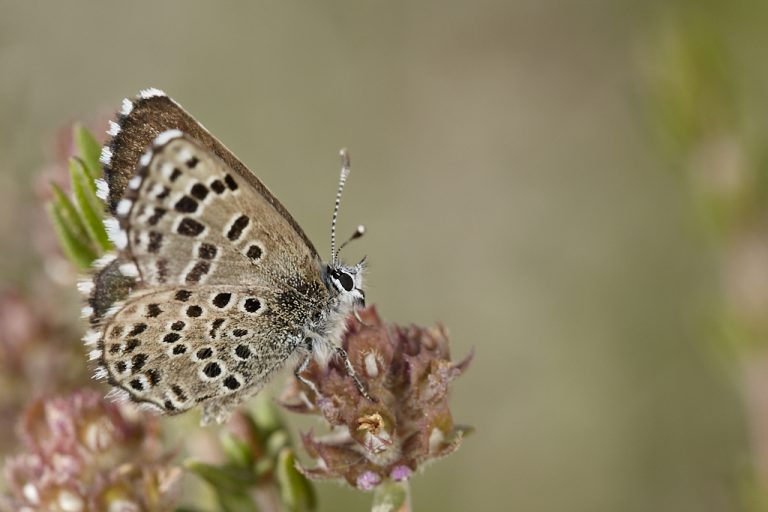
[{"x": 347, "y": 282}]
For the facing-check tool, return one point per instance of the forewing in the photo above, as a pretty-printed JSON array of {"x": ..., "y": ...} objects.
[
  {"x": 145, "y": 117},
  {"x": 187, "y": 218}
]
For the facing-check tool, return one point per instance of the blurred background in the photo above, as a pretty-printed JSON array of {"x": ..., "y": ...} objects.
[{"x": 575, "y": 189}]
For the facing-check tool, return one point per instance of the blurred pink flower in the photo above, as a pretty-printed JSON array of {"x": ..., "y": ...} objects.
[
  {"x": 39, "y": 355},
  {"x": 84, "y": 453}
]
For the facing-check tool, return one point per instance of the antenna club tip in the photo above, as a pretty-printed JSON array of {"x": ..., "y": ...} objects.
[
  {"x": 344, "y": 155},
  {"x": 360, "y": 229}
]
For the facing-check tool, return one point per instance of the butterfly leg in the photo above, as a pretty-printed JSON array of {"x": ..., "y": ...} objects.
[
  {"x": 360, "y": 320},
  {"x": 340, "y": 352},
  {"x": 307, "y": 344}
]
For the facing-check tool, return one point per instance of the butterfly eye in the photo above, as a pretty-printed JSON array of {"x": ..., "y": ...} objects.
[{"x": 346, "y": 281}]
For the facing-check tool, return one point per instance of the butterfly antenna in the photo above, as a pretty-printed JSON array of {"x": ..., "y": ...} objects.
[
  {"x": 342, "y": 180},
  {"x": 359, "y": 231}
]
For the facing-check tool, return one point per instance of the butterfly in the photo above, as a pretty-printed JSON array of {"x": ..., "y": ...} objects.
[{"x": 213, "y": 286}]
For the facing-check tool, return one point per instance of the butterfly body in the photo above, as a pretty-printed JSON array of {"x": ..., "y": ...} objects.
[{"x": 214, "y": 286}]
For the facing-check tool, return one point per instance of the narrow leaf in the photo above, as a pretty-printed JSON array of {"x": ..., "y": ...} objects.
[
  {"x": 89, "y": 205},
  {"x": 77, "y": 252},
  {"x": 224, "y": 479},
  {"x": 89, "y": 150},
  {"x": 296, "y": 491},
  {"x": 237, "y": 452},
  {"x": 70, "y": 215},
  {"x": 231, "y": 485}
]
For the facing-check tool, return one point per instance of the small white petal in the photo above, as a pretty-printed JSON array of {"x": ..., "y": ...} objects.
[
  {"x": 371, "y": 368},
  {"x": 70, "y": 502},
  {"x": 31, "y": 493}
]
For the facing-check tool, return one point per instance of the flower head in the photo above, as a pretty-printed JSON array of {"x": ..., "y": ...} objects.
[
  {"x": 407, "y": 371},
  {"x": 86, "y": 454}
]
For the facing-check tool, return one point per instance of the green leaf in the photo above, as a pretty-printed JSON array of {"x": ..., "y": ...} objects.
[
  {"x": 70, "y": 229},
  {"x": 237, "y": 452},
  {"x": 230, "y": 483},
  {"x": 89, "y": 205},
  {"x": 276, "y": 442},
  {"x": 296, "y": 491},
  {"x": 237, "y": 502},
  {"x": 89, "y": 150},
  {"x": 75, "y": 250},
  {"x": 225, "y": 478},
  {"x": 391, "y": 497},
  {"x": 265, "y": 416}
]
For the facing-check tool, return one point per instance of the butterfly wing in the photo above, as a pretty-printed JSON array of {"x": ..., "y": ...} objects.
[
  {"x": 193, "y": 224},
  {"x": 145, "y": 117},
  {"x": 186, "y": 218},
  {"x": 174, "y": 348}
]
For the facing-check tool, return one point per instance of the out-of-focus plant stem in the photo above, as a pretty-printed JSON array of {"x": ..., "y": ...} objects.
[
  {"x": 702, "y": 118},
  {"x": 392, "y": 497}
]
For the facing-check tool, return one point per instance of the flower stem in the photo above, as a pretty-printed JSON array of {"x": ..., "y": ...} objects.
[{"x": 392, "y": 497}]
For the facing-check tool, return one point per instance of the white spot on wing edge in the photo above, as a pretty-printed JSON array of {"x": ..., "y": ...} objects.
[
  {"x": 91, "y": 338},
  {"x": 93, "y": 355},
  {"x": 102, "y": 189},
  {"x": 114, "y": 129},
  {"x": 166, "y": 136},
  {"x": 106, "y": 155},
  {"x": 85, "y": 286},
  {"x": 100, "y": 373},
  {"x": 120, "y": 239},
  {"x": 116, "y": 234},
  {"x": 117, "y": 395},
  {"x": 127, "y": 107},
  {"x": 104, "y": 261},
  {"x": 86, "y": 311},
  {"x": 150, "y": 92},
  {"x": 112, "y": 226},
  {"x": 149, "y": 407}
]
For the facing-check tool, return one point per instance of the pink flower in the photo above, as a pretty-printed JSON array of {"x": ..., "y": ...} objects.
[
  {"x": 84, "y": 453},
  {"x": 407, "y": 371}
]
